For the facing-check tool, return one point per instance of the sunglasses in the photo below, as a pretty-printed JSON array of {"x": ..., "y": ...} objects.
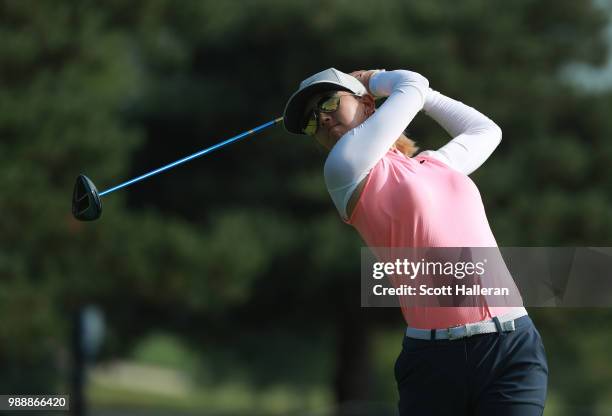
[{"x": 327, "y": 104}]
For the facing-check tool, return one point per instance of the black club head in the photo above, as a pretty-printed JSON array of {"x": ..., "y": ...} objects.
[{"x": 86, "y": 205}]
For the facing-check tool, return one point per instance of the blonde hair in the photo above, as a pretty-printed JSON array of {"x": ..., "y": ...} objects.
[{"x": 406, "y": 146}]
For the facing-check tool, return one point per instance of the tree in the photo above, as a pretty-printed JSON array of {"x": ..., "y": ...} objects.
[{"x": 248, "y": 235}]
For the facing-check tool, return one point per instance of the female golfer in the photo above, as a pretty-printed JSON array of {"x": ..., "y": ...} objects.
[{"x": 455, "y": 360}]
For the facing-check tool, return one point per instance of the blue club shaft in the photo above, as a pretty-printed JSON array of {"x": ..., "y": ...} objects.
[{"x": 193, "y": 156}]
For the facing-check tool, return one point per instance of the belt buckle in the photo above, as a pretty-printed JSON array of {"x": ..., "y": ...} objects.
[{"x": 450, "y": 333}]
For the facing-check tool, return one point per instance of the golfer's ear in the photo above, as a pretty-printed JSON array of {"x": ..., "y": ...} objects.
[{"x": 368, "y": 102}]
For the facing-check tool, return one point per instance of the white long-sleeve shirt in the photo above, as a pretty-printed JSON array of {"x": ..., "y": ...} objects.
[{"x": 475, "y": 136}]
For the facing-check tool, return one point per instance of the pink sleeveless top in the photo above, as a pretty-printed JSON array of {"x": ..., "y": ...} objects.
[{"x": 421, "y": 202}]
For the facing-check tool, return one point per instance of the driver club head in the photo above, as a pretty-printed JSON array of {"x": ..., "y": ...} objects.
[{"x": 86, "y": 205}]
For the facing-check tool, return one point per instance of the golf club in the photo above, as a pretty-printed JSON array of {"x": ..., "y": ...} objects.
[{"x": 86, "y": 203}]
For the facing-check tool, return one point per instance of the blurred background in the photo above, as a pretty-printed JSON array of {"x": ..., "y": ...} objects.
[{"x": 229, "y": 286}]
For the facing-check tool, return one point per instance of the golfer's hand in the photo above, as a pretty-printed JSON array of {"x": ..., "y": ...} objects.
[
  {"x": 418, "y": 80},
  {"x": 364, "y": 77}
]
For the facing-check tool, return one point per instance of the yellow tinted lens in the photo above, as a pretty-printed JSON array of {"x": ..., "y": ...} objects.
[
  {"x": 310, "y": 128},
  {"x": 329, "y": 104}
]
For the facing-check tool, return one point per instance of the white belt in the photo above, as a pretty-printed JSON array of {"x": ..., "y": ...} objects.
[{"x": 504, "y": 323}]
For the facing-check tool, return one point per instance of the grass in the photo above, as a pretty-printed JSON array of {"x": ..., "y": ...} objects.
[{"x": 227, "y": 398}]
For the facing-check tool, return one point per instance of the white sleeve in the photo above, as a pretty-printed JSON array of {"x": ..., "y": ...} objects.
[
  {"x": 474, "y": 135},
  {"x": 358, "y": 151}
]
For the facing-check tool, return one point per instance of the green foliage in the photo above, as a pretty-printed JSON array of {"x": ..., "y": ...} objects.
[
  {"x": 165, "y": 351},
  {"x": 247, "y": 237}
]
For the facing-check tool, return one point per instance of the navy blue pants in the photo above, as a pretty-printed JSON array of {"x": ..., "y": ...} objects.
[{"x": 501, "y": 374}]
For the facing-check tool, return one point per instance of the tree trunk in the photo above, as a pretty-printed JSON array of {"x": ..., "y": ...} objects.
[{"x": 352, "y": 380}]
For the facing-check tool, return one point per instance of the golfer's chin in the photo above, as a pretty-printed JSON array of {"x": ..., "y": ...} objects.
[
  {"x": 332, "y": 136},
  {"x": 336, "y": 132}
]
